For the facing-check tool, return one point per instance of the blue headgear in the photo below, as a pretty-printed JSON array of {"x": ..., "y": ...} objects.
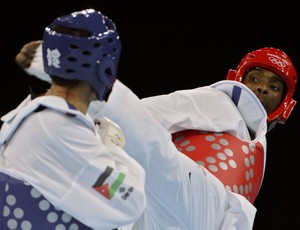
[{"x": 92, "y": 57}]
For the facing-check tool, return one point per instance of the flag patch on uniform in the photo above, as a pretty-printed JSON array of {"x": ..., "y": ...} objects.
[{"x": 107, "y": 187}]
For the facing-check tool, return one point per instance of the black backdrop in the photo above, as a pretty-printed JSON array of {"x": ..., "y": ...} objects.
[{"x": 169, "y": 46}]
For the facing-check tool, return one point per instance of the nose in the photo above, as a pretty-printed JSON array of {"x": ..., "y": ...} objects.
[{"x": 262, "y": 88}]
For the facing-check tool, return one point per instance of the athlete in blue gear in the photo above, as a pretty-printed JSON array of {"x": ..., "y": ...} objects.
[{"x": 57, "y": 170}]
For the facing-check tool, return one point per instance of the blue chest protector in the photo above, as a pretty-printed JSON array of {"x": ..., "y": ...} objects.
[{"x": 23, "y": 207}]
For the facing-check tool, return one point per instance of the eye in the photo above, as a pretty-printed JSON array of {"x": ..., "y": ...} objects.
[
  {"x": 253, "y": 78},
  {"x": 276, "y": 87}
]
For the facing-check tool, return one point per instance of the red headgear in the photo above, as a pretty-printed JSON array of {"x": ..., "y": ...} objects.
[{"x": 279, "y": 62}]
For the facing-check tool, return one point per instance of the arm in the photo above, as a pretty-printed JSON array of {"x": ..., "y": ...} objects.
[
  {"x": 202, "y": 104},
  {"x": 201, "y": 108}
]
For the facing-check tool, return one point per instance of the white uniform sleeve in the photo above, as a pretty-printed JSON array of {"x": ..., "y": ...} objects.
[
  {"x": 99, "y": 185},
  {"x": 201, "y": 108}
]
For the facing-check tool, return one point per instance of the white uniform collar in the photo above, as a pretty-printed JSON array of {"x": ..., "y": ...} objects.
[
  {"x": 246, "y": 101},
  {"x": 13, "y": 119}
]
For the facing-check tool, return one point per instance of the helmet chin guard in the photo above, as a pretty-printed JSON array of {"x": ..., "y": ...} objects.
[
  {"x": 89, "y": 53},
  {"x": 279, "y": 62}
]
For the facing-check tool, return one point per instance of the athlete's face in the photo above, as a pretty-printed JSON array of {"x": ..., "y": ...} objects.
[{"x": 267, "y": 86}]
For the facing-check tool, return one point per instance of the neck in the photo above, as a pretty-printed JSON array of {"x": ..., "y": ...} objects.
[{"x": 78, "y": 96}]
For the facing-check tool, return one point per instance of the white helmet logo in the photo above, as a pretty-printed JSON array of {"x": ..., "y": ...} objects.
[{"x": 53, "y": 58}]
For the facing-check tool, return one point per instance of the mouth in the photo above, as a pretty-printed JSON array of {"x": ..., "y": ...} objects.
[{"x": 263, "y": 104}]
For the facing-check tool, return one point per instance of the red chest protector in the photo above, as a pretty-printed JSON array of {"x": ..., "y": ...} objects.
[{"x": 238, "y": 164}]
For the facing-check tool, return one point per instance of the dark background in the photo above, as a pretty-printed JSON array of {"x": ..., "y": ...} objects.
[{"x": 169, "y": 46}]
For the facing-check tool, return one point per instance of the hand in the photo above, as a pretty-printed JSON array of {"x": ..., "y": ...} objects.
[
  {"x": 26, "y": 54},
  {"x": 110, "y": 132},
  {"x": 30, "y": 58}
]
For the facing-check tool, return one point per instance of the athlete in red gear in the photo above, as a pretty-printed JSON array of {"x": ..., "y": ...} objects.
[{"x": 240, "y": 162}]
